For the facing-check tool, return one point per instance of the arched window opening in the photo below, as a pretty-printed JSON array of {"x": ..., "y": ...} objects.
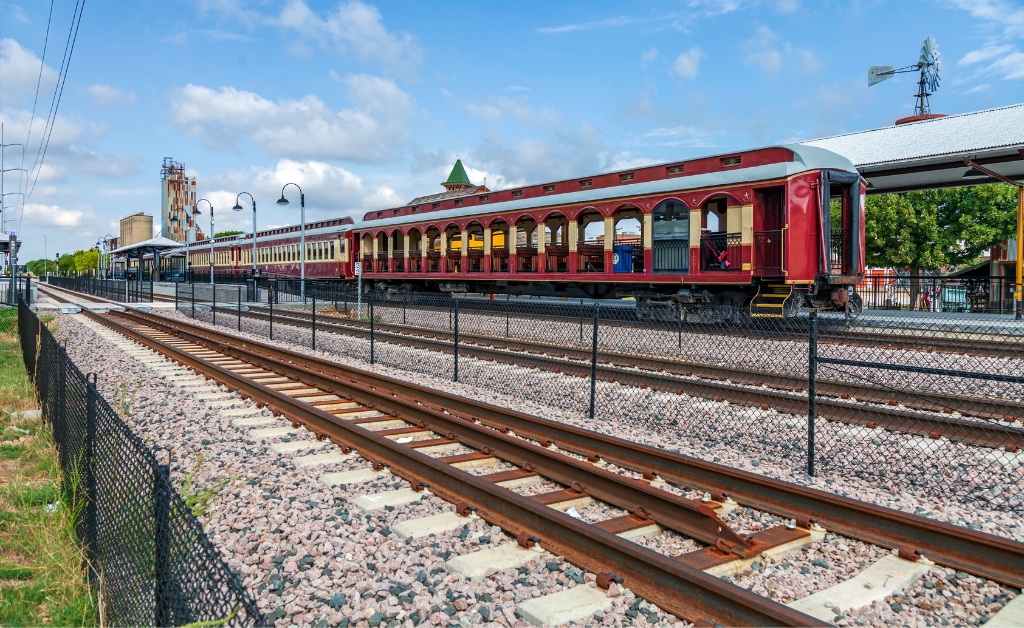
[{"x": 670, "y": 241}]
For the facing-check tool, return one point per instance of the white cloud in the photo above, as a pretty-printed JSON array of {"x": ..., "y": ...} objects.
[
  {"x": 52, "y": 216},
  {"x": 370, "y": 131},
  {"x": 21, "y": 73},
  {"x": 354, "y": 30},
  {"x": 107, "y": 96},
  {"x": 686, "y": 63},
  {"x": 769, "y": 53},
  {"x": 787, "y": 6},
  {"x": 1004, "y": 24},
  {"x": 648, "y": 57},
  {"x": 498, "y": 107}
]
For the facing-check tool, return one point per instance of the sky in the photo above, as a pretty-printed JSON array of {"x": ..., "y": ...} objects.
[{"x": 366, "y": 104}]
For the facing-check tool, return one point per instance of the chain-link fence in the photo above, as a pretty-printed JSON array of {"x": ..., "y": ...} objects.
[
  {"x": 120, "y": 290},
  {"x": 148, "y": 555},
  {"x": 909, "y": 401}
]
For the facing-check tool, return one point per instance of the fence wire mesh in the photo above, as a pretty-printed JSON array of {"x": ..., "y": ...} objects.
[
  {"x": 147, "y": 552},
  {"x": 929, "y": 403}
]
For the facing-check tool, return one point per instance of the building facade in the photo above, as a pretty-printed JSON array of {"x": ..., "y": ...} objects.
[
  {"x": 177, "y": 203},
  {"x": 135, "y": 228}
]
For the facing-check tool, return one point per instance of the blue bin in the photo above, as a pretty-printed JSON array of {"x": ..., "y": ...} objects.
[{"x": 623, "y": 258}]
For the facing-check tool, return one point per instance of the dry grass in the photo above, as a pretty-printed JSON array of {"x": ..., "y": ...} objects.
[{"x": 42, "y": 579}]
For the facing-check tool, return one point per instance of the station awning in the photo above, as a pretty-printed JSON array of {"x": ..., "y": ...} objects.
[
  {"x": 930, "y": 154},
  {"x": 159, "y": 243}
]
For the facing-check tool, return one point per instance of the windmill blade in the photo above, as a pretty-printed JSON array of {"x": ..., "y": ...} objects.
[
  {"x": 929, "y": 51},
  {"x": 879, "y": 73}
]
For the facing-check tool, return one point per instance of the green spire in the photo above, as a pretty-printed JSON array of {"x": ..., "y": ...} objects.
[{"x": 458, "y": 175}]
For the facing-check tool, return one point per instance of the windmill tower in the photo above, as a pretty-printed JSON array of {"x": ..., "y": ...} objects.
[{"x": 927, "y": 68}]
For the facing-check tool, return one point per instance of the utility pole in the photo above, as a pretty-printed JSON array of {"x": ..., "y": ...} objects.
[{"x": 44, "y": 255}]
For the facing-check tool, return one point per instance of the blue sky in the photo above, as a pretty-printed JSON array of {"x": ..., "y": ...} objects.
[{"x": 366, "y": 104}]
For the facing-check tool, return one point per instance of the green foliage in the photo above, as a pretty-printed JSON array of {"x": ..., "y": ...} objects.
[
  {"x": 937, "y": 228},
  {"x": 36, "y": 266},
  {"x": 197, "y": 497},
  {"x": 224, "y": 234}
]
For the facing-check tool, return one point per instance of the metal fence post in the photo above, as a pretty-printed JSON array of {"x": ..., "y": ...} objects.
[
  {"x": 456, "y": 369},
  {"x": 90, "y": 462},
  {"x": 314, "y": 322},
  {"x": 373, "y": 357},
  {"x": 593, "y": 364},
  {"x": 213, "y": 305},
  {"x": 507, "y": 297},
  {"x": 162, "y": 562},
  {"x": 270, "y": 304},
  {"x": 581, "y": 322},
  {"x": 240, "y": 308},
  {"x": 812, "y": 376},
  {"x": 175, "y": 296},
  {"x": 405, "y": 303},
  {"x": 193, "y": 302}
]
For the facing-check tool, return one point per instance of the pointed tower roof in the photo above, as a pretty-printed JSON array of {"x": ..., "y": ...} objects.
[{"x": 458, "y": 175}]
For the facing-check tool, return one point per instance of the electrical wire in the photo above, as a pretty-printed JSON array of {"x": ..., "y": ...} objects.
[{"x": 69, "y": 50}]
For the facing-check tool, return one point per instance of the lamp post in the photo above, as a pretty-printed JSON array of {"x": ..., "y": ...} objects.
[
  {"x": 238, "y": 208},
  {"x": 1018, "y": 286},
  {"x": 195, "y": 210},
  {"x": 302, "y": 236}
]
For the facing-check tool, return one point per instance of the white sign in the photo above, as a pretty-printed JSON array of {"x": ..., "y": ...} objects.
[{"x": 359, "y": 268}]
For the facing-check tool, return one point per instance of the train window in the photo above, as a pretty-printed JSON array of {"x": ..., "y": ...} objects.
[
  {"x": 437, "y": 205},
  {"x": 586, "y": 183},
  {"x": 731, "y": 161},
  {"x": 458, "y": 202},
  {"x": 380, "y": 214},
  {"x": 415, "y": 209},
  {"x": 332, "y": 249},
  {"x": 549, "y": 188},
  {"x": 483, "y": 199},
  {"x": 626, "y": 177},
  {"x": 675, "y": 170},
  {"x": 517, "y": 194}
]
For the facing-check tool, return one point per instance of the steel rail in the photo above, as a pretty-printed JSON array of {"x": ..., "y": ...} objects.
[
  {"x": 672, "y": 585},
  {"x": 978, "y": 433},
  {"x": 920, "y": 399},
  {"x": 981, "y": 554}
]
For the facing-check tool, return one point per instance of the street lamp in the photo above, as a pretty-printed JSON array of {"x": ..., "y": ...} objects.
[
  {"x": 302, "y": 236},
  {"x": 238, "y": 208},
  {"x": 195, "y": 210},
  {"x": 1019, "y": 284}
]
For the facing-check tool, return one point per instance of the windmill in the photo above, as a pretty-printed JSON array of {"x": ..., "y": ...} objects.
[{"x": 928, "y": 68}]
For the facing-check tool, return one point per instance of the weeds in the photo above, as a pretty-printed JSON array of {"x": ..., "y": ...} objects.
[
  {"x": 41, "y": 577},
  {"x": 199, "y": 498},
  {"x": 124, "y": 403}
]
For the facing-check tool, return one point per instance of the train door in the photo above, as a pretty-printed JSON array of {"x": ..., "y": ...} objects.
[
  {"x": 769, "y": 231},
  {"x": 842, "y": 223}
]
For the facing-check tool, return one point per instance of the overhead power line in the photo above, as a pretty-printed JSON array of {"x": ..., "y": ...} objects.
[{"x": 69, "y": 49}]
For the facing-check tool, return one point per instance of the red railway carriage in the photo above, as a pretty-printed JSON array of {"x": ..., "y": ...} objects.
[{"x": 773, "y": 229}]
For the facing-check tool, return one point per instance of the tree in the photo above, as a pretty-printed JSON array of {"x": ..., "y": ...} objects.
[
  {"x": 36, "y": 267},
  {"x": 224, "y": 234},
  {"x": 933, "y": 229},
  {"x": 85, "y": 261},
  {"x": 67, "y": 264}
]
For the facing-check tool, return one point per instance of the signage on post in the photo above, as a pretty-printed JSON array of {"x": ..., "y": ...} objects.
[{"x": 359, "y": 268}]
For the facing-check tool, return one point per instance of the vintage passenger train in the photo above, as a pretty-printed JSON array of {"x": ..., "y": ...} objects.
[{"x": 773, "y": 229}]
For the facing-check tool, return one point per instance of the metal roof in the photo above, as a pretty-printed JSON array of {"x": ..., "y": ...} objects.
[
  {"x": 158, "y": 242},
  {"x": 930, "y": 153},
  {"x": 804, "y": 158}
]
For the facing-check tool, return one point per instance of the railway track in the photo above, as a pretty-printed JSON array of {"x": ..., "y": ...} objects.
[
  {"x": 928, "y": 414},
  {"x": 364, "y": 413},
  {"x": 971, "y": 419}
]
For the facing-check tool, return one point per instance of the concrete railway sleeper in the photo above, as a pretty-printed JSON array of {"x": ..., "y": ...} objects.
[
  {"x": 923, "y": 413},
  {"x": 676, "y": 584},
  {"x": 981, "y": 554}
]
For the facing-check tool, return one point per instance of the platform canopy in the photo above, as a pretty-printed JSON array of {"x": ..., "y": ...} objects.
[
  {"x": 148, "y": 246},
  {"x": 930, "y": 154}
]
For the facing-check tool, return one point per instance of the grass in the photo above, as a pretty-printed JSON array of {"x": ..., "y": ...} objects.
[{"x": 42, "y": 579}]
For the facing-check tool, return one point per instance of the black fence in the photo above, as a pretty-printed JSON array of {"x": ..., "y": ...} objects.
[
  {"x": 993, "y": 295},
  {"x": 903, "y": 401},
  {"x": 146, "y": 551},
  {"x": 119, "y": 290}
]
